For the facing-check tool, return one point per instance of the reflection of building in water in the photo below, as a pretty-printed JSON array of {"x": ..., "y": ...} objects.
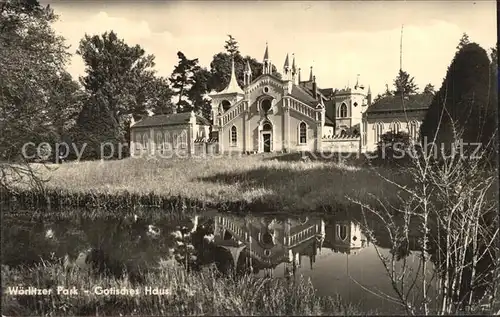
[
  {"x": 265, "y": 243},
  {"x": 344, "y": 236}
]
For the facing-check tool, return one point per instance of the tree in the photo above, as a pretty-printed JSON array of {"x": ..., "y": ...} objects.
[
  {"x": 404, "y": 84},
  {"x": 220, "y": 69},
  {"x": 163, "y": 97},
  {"x": 198, "y": 91},
  {"x": 387, "y": 93},
  {"x": 393, "y": 148},
  {"x": 429, "y": 89},
  {"x": 66, "y": 100},
  {"x": 231, "y": 46},
  {"x": 31, "y": 55},
  {"x": 462, "y": 105},
  {"x": 182, "y": 80},
  {"x": 120, "y": 83},
  {"x": 464, "y": 40}
]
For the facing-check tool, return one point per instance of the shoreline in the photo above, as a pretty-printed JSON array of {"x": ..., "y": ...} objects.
[{"x": 56, "y": 200}]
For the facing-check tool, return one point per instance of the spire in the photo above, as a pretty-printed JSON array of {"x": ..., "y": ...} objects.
[
  {"x": 369, "y": 90},
  {"x": 311, "y": 74},
  {"x": 357, "y": 82},
  {"x": 248, "y": 69},
  {"x": 233, "y": 86},
  {"x": 266, "y": 65},
  {"x": 247, "y": 74},
  {"x": 294, "y": 70},
  {"x": 287, "y": 64},
  {"x": 299, "y": 75}
]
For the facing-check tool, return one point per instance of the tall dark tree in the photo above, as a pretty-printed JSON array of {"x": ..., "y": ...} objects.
[
  {"x": 429, "y": 89},
  {"x": 162, "y": 103},
  {"x": 464, "y": 40},
  {"x": 231, "y": 46},
  {"x": 182, "y": 79},
  {"x": 66, "y": 101},
  {"x": 120, "y": 83},
  {"x": 31, "y": 57},
  {"x": 404, "y": 84},
  {"x": 198, "y": 91},
  {"x": 462, "y": 106}
]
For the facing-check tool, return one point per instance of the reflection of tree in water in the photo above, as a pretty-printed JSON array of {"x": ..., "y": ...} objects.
[{"x": 402, "y": 246}]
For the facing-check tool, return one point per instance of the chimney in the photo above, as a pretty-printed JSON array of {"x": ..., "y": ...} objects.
[{"x": 314, "y": 88}]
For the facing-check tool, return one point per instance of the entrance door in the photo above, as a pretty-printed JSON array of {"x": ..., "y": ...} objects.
[{"x": 266, "y": 138}]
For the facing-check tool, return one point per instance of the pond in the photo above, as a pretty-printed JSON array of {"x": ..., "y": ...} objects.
[{"x": 332, "y": 251}]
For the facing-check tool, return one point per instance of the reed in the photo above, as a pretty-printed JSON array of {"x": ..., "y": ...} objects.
[{"x": 200, "y": 293}]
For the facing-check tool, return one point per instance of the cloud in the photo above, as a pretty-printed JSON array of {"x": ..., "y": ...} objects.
[{"x": 337, "y": 53}]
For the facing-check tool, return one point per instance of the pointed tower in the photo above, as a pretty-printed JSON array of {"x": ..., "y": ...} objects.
[
  {"x": 266, "y": 63},
  {"x": 247, "y": 74},
  {"x": 286, "y": 69},
  {"x": 311, "y": 74},
  {"x": 233, "y": 86},
  {"x": 299, "y": 77},
  {"x": 222, "y": 101},
  {"x": 294, "y": 69}
]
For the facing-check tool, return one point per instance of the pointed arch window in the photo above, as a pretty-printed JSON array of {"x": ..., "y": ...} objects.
[
  {"x": 183, "y": 139},
  {"x": 342, "y": 232},
  {"x": 174, "y": 140},
  {"x": 343, "y": 110},
  {"x": 302, "y": 133},
  {"x": 167, "y": 142},
  {"x": 395, "y": 127},
  {"x": 159, "y": 141},
  {"x": 234, "y": 136},
  {"x": 413, "y": 130},
  {"x": 379, "y": 130},
  {"x": 145, "y": 141}
]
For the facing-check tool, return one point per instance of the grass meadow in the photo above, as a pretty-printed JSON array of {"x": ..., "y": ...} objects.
[{"x": 273, "y": 182}]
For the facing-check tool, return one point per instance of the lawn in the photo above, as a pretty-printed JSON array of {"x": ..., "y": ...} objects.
[{"x": 279, "y": 184}]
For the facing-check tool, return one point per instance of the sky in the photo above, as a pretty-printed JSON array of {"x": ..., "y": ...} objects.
[{"x": 338, "y": 39}]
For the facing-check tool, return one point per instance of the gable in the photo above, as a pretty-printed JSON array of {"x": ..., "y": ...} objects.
[{"x": 266, "y": 80}]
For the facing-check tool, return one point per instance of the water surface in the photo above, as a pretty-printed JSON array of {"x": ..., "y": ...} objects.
[{"x": 332, "y": 251}]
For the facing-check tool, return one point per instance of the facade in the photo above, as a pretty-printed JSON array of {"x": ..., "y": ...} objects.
[
  {"x": 265, "y": 244},
  {"x": 270, "y": 242},
  {"x": 180, "y": 134},
  {"x": 270, "y": 114},
  {"x": 394, "y": 114}
]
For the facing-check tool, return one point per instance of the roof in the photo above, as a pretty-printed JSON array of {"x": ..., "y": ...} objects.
[
  {"x": 330, "y": 111},
  {"x": 301, "y": 94},
  {"x": 394, "y": 103},
  {"x": 233, "y": 86},
  {"x": 326, "y": 91},
  {"x": 169, "y": 119}
]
